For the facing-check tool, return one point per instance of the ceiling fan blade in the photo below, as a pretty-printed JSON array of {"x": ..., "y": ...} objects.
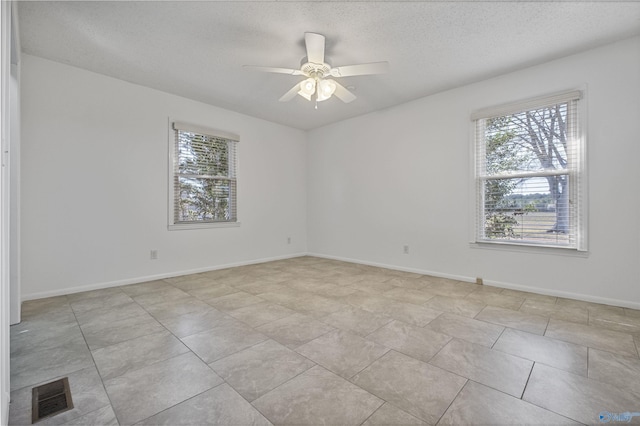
[
  {"x": 289, "y": 71},
  {"x": 343, "y": 94},
  {"x": 291, "y": 93},
  {"x": 360, "y": 69},
  {"x": 315, "y": 47}
]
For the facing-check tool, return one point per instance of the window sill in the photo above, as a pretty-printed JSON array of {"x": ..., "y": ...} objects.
[
  {"x": 526, "y": 248},
  {"x": 203, "y": 225}
]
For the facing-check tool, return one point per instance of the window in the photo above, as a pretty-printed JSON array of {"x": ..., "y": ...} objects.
[
  {"x": 203, "y": 177},
  {"x": 529, "y": 173}
]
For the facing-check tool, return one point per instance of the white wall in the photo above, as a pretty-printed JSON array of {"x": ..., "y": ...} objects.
[
  {"x": 94, "y": 184},
  {"x": 403, "y": 176}
]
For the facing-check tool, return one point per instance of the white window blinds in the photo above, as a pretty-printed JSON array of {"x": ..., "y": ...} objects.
[
  {"x": 529, "y": 173},
  {"x": 204, "y": 175}
]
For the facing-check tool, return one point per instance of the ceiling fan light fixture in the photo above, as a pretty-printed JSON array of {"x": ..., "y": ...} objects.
[
  {"x": 308, "y": 87},
  {"x": 326, "y": 88},
  {"x": 304, "y": 95}
]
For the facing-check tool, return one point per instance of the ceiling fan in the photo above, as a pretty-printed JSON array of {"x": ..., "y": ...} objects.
[{"x": 318, "y": 85}]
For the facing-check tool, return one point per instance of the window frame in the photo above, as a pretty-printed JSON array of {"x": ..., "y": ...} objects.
[
  {"x": 174, "y": 127},
  {"x": 576, "y": 172}
]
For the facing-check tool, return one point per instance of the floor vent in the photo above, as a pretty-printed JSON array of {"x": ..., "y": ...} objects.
[{"x": 51, "y": 399}]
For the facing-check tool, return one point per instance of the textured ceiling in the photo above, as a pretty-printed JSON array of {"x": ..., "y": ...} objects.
[{"x": 197, "y": 49}]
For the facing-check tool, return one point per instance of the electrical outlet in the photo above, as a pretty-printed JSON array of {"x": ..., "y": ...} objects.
[
  {"x": 405, "y": 249},
  {"x": 153, "y": 255},
  {"x": 288, "y": 240}
]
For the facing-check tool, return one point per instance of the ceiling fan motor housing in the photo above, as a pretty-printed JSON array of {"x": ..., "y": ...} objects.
[{"x": 314, "y": 70}]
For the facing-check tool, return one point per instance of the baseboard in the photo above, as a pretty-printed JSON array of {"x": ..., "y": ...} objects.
[
  {"x": 544, "y": 291},
  {"x": 141, "y": 279},
  {"x": 4, "y": 420}
]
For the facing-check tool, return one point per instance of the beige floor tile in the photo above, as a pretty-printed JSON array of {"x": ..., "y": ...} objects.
[
  {"x": 260, "y": 313},
  {"x": 294, "y": 330},
  {"x": 177, "y": 307},
  {"x": 262, "y": 287},
  {"x": 287, "y": 297},
  {"x": 192, "y": 323},
  {"x": 529, "y": 296},
  {"x": 513, "y": 319},
  {"x": 555, "y": 353},
  {"x": 38, "y": 367},
  {"x": 417, "y": 342},
  {"x": 408, "y": 295},
  {"x": 94, "y": 294},
  {"x": 310, "y": 285},
  {"x": 343, "y": 279},
  {"x": 489, "y": 289},
  {"x": 260, "y": 368},
  {"x": 632, "y": 313},
  {"x": 375, "y": 274},
  {"x": 319, "y": 306},
  {"x": 372, "y": 286},
  {"x": 209, "y": 290},
  {"x": 103, "y": 316},
  {"x": 622, "y": 372},
  {"x": 409, "y": 313},
  {"x": 389, "y": 415},
  {"x": 408, "y": 283},
  {"x": 378, "y": 304},
  {"x": 356, "y": 320},
  {"x": 480, "y": 405},
  {"x": 497, "y": 299},
  {"x": 342, "y": 352},
  {"x": 448, "y": 289},
  {"x": 108, "y": 300},
  {"x": 474, "y": 331},
  {"x": 463, "y": 307},
  {"x": 102, "y": 417},
  {"x": 133, "y": 290},
  {"x": 32, "y": 309},
  {"x": 142, "y": 393},
  {"x": 333, "y": 290},
  {"x": 161, "y": 296},
  {"x": 317, "y": 394},
  {"x": 106, "y": 334},
  {"x": 61, "y": 316},
  {"x": 42, "y": 338},
  {"x": 549, "y": 309},
  {"x": 367, "y": 301},
  {"x": 218, "y": 406},
  {"x": 420, "y": 389},
  {"x": 234, "y": 301},
  {"x": 115, "y": 360},
  {"x": 305, "y": 302},
  {"x": 227, "y": 337},
  {"x": 593, "y": 308},
  {"x": 576, "y": 397},
  {"x": 183, "y": 281},
  {"x": 593, "y": 337},
  {"x": 615, "y": 321},
  {"x": 489, "y": 367}
]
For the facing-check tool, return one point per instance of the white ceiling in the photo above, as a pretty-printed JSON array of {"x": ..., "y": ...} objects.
[{"x": 197, "y": 49}]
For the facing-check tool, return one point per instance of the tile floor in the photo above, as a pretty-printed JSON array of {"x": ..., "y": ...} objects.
[{"x": 317, "y": 341}]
